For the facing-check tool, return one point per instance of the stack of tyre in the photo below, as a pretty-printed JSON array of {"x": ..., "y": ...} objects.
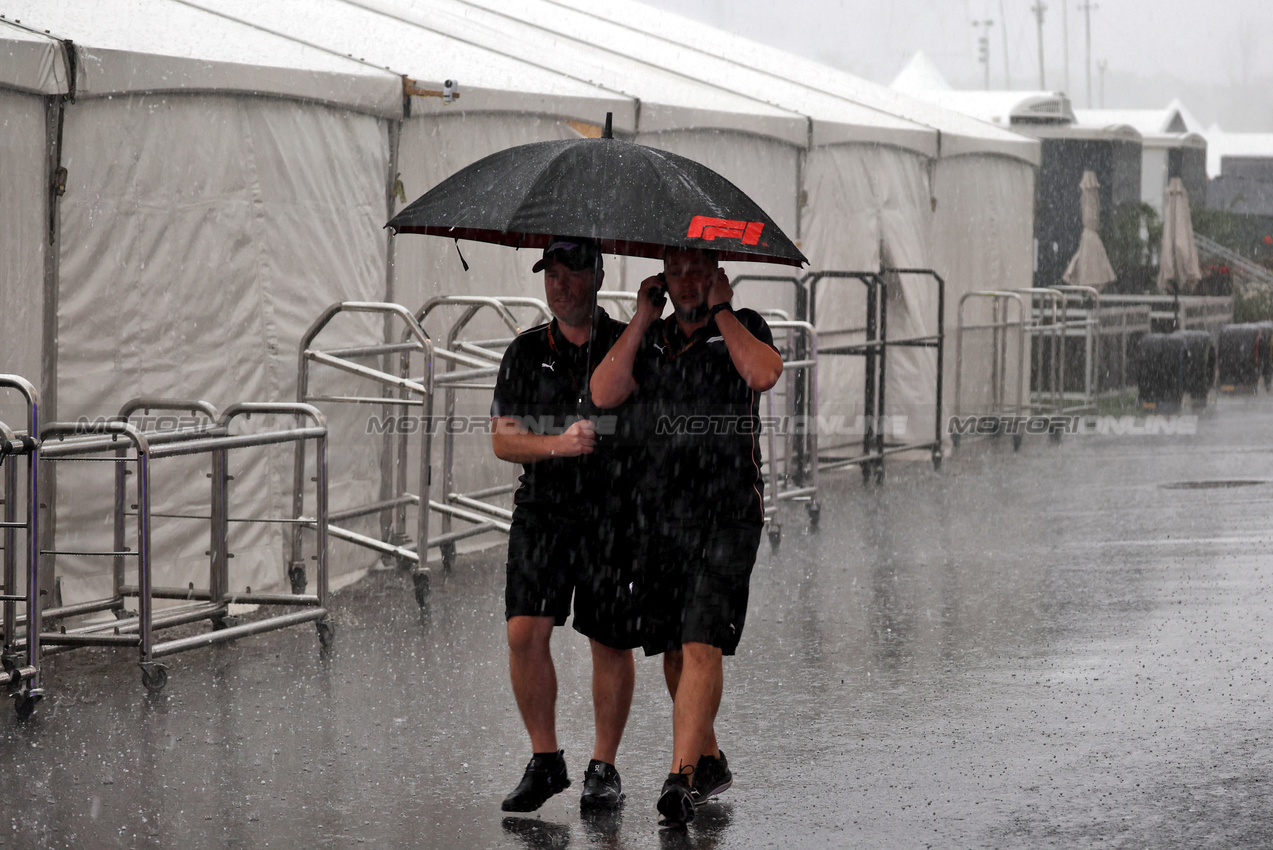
[
  {"x": 1173, "y": 365},
  {"x": 1245, "y": 354}
]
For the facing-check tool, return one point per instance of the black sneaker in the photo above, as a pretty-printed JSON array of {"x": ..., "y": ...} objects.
[
  {"x": 676, "y": 803},
  {"x": 545, "y": 775},
  {"x": 602, "y": 788},
  {"x": 711, "y": 777}
]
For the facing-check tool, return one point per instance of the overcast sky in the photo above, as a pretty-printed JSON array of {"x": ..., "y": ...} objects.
[{"x": 1216, "y": 55}]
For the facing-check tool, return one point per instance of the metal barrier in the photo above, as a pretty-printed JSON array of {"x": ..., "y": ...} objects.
[
  {"x": 123, "y": 445},
  {"x": 21, "y": 656},
  {"x": 1000, "y": 327},
  {"x": 793, "y": 472},
  {"x": 1082, "y": 322},
  {"x": 875, "y": 447},
  {"x": 401, "y": 391},
  {"x": 482, "y": 357},
  {"x": 1186, "y": 312}
]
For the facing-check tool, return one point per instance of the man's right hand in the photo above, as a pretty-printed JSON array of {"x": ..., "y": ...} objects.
[
  {"x": 647, "y": 311},
  {"x": 579, "y": 439}
]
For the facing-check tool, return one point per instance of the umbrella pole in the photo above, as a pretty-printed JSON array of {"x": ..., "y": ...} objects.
[{"x": 585, "y": 394}]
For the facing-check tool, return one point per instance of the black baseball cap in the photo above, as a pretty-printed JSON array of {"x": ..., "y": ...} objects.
[{"x": 575, "y": 252}]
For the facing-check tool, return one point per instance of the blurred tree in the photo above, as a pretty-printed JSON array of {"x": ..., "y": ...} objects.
[{"x": 1133, "y": 238}]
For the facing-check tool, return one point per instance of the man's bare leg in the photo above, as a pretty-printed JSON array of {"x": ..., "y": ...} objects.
[
  {"x": 694, "y": 707},
  {"x": 673, "y": 666},
  {"x": 613, "y": 679},
  {"x": 530, "y": 666}
]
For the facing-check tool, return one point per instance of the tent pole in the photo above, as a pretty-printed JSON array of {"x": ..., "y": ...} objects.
[
  {"x": 55, "y": 187},
  {"x": 387, "y": 466}
]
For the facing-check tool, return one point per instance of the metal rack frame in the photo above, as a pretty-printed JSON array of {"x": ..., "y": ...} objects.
[
  {"x": 123, "y": 444},
  {"x": 482, "y": 358},
  {"x": 400, "y": 391},
  {"x": 21, "y": 657},
  {"x": 1000, "y": 327},
  {"x": 875, "y": 448}
]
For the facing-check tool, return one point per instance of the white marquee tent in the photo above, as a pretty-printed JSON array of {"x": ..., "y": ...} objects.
[
  {"x": 230, "y": 166},
  {"x": 222, "y": 185}
]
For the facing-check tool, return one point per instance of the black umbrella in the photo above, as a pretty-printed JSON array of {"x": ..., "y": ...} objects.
[{"x": 633, "y": 199}]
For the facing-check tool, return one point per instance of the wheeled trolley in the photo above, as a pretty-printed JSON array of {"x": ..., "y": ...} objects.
[
  {"x": 472, "y": 363},
  {"x": 1004, "y": 399},
  {"x": 875, "y": 445},
  {"x": 21, "y": 656},
  {"x": 133, "y": 452},
  {"x": 401, "y": 372}
]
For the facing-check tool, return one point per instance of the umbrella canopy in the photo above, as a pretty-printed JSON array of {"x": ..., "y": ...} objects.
[
  {"x": 633, "y": 199},
  {"x": 1090, "y": 264},
  {"x": 1178, "y": 271}
]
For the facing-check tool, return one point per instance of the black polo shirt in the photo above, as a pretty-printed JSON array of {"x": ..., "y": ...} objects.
[
  {"x": 701, "y": 423},
  {"x": 541, "y": 380}
]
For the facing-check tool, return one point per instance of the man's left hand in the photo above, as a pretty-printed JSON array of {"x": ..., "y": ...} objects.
[{"x": 721, "y": 292}]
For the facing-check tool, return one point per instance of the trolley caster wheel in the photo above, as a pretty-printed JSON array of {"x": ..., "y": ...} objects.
[
  {"x": 448, "y": 557},
  {"x": 154, "y": 676},
  {"x": 423, "y": 587},
  {"x": 815, "y": 513},
  {"x": 1016, "y": 441},
  {"x": 296, "y": 574},
  {"x": 24, "y": 702},
  {"x": 775, "y": 535},
  {"x": 879, "y": 473},
  {"x": 124, "y": 614},
  {"x": 937, "y": 461},
  {"x": 222, "y": 623},
  {"x": 326, "y": 634}
]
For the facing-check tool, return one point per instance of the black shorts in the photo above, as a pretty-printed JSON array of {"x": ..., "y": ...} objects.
[
  {"x": 551, "y": 559},
  {"x": 697, "y": 578}
]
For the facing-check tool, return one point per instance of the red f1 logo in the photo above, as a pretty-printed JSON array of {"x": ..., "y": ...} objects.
[{"x": 708, "y": 229}]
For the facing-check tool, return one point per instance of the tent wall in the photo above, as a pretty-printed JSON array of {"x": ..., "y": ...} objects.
[
  {"x": 869, "y": 205},
  {"x": 982, "y": 231},
  {"x": 24, "y": 240},
  {"x": 201, "y": 234}
]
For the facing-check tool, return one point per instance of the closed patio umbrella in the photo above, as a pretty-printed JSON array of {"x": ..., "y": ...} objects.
[
  {"x": 1179, "y": 265},
  {"x": 1090, "y": 264}
]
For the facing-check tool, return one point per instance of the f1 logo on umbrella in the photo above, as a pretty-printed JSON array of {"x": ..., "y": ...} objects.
[{"x": 709, "y": 229}]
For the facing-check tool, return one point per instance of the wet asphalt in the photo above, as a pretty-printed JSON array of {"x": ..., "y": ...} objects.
[{"x": 1065, "y": 646}]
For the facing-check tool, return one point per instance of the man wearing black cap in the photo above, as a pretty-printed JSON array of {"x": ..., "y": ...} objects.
[
  {"x": 697, "y": 377},
  {"x": 563, "y": 539}
]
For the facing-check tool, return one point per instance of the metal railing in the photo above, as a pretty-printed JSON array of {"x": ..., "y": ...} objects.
[
  {"x": 22, "y": 654},
  {"x": 124, "y": 445}
]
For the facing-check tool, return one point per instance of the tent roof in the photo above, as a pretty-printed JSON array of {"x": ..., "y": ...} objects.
[
  {"x": 920, "y": 74},
  {"x": 958, "y": 133},
  {"x": 141, "y": 46},
  {"x": 834, "y": 120},
  {"x": 668, "y": 100},
  {"x": 1005, "y": 108},
  {"x": 488, "y": 80},
  {"x": 1221, "y": 144},
  {"x": 1148, "y": 122},
  {"x": 31, "y": 61}
]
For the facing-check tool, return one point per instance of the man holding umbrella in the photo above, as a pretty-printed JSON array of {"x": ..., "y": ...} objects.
[
  {"x": 562, "y": 540},
  {"x": 706, "y": 364}
]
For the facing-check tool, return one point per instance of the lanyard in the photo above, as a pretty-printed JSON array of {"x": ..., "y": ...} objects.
[{"x": 695, "y": 339}]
